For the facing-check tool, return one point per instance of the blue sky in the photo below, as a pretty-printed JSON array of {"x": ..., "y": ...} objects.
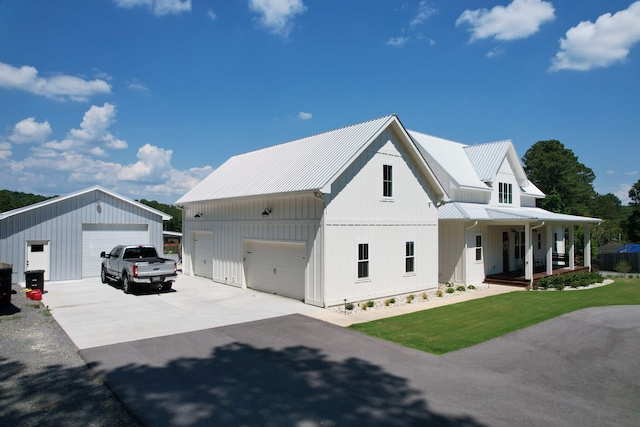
[{"x": 147, "y": 97}]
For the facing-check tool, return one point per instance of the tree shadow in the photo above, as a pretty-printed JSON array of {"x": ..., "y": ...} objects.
[{"x": 240, "y": 385}]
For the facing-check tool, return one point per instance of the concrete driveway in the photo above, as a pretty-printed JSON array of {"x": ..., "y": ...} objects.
[
  {"x": 95, "y": 314},
  {"x": 580, "y": 369}
]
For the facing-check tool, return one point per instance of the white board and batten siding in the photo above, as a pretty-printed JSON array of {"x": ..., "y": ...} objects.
[
  {"x": 231, "y": 228},
  {"x": 358, "y": 213}
]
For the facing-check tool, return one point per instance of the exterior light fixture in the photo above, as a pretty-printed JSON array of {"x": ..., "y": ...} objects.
[
  {"x": 197, "y": 215},
  {"x": 265, "y": 213}
]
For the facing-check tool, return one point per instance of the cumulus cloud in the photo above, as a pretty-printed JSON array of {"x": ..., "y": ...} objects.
[
  {"x": 212, "y": 15},
  {"x": 397, "y": 41},
  {"x": 518, "y": 20},
  {"x": 158, "y": 7},
  {"x": 60, "y": 87},
  {"x": 277, "y": 15},
  {"x": 28, "y": 130},
  {"x": 152, "y": 164},
  {"x": 5, "y": 150},
  {"x": 305, "y": 116},
  {"x": 93, "y": 136},
  {"x": 601, "y": 44},
  {"x": 425, "y": 11}
]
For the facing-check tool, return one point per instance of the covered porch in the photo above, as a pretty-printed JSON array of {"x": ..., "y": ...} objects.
[{"x": 517, "y": 278}]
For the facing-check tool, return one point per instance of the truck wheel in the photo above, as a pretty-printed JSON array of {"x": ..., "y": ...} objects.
[
  {"x": 103, "y": 276},
  {"x": 127, "y": 286},
  {"x": 166, "y": 286}
]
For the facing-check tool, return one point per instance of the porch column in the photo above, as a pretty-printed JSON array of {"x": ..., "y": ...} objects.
[
  {"x": 572, "y": 248},
  {"x": 549, "y": 250},
  {"x": 587, "y": 246},
  {"x": 528, "y": 253}
]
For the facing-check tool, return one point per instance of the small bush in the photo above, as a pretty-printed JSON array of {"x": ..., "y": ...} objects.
[
  {"x": 449, "y": 285},
  {"x": 387, "y": 302},
  {"x": 424, "y": 295},
  {"x": 410, "y": 298},
  {"x": 392, "y": 300},
  {"x": 461, "y": 288},
  {"x": 349, "y": 306},
  {"x": 450, "y": 290},
  {"x": 363, "y": 306},
  {"x": 623, "y": 267},
  {"x": 439, "y": 293},
  {"x": 471, "y": 287},
  {"x": 370, "y": 303}
]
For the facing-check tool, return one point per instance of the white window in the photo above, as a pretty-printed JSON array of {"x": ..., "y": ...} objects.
[
  {"x": 409, "y": 261},
  {"x": 505, "y": 193},
  {"x": 387, "y": 181},
  {"x": 478, "y": 247},
  {"x": 363, "y": 260},
  {"x": 519, "y": 245}
]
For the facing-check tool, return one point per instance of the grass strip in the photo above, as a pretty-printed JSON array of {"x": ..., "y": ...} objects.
[{"x": 453, "y": 327}]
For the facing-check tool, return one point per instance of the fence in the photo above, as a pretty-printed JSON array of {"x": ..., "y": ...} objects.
[{"x": 608, "y": 262}]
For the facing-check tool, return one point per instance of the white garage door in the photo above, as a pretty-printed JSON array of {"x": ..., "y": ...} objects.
[
  {"x": 276, "y": 267},
  {"x": 103, "y": 237},
  {"x": 203, "y": 254}
]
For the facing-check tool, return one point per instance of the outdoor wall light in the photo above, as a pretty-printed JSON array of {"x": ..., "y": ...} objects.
[
  {"x": 265, "y": 213},
  {"x": 197, "y": 215}
]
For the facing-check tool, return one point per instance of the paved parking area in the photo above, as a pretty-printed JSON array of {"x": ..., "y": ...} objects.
[{"x": 95, "y": 314}]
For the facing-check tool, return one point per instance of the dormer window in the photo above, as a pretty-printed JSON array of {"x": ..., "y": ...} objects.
[{"x": 505, "y": 193}]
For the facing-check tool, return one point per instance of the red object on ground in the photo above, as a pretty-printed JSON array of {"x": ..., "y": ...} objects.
[{"x": 35, "y": 295}]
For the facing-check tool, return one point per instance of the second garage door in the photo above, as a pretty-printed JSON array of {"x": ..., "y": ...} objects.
[
  {"x": 276, "y": 267},
  {"x": 103, "y": 237}
]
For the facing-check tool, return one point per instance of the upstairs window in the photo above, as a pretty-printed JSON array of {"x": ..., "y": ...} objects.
[
  {"x": 409, "y": 262},
  {"x": 363, "y": 260},
  {"x": 505, "y": 193},
  {"x": 387, "y": 181}
]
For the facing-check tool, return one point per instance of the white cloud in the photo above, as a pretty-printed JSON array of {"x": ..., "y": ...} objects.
[
  {"x": 496, "y": 51},
  {"x": 277, "y": 15},
  {"x": 397, "y": 41},
  {"x": 135, "y": 85},
  {"x": 305, "y": 116},
  {"x": 60, "y": 87},
  {"x": 610, "y": 172},
  {"x": 28, "y": 130},
  {"x": 93, "y": 135},
  {"x": 631, "y": 173},
  {"x": 158, "y": 7},
  {"x": 211, "y": 15},
  {"x": 5, "y": 150},
  {"x": 623, "y": 193},
  {"x": 425, "y": 11},
  {"x": 601, "y": 44},
  {"x": 153, "y": 164},
  {"x": 518, "y": 20}
]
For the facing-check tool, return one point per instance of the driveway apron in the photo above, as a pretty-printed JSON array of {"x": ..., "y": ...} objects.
[{"x": 580, "y": 369}]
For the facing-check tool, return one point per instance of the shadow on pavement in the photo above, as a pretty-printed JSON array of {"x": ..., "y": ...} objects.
[{"x": 296, "y": 386}]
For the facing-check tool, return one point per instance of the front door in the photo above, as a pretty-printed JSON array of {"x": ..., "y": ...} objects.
[
  {"x": 505, "y": 252},
  {"x": 38, "y": 256}
]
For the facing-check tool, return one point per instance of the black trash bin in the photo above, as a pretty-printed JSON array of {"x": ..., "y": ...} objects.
[
  {"x": 5, "y": 284},
  {"x": 34, "y": 279}
]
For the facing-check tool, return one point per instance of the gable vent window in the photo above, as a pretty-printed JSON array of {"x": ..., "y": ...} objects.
[
  {"x": 387, "y": 181},
  {"x": 505, "y": 193}
]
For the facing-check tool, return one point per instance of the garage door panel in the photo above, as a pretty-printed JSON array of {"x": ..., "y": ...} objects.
[
  {"x": 276, "y": 267},
  {"x": 97, "y": 238}
]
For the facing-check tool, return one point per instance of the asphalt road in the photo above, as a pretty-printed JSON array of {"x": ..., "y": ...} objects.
[{"x": 580, "y": 369}]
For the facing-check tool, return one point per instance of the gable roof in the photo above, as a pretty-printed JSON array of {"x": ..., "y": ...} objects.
[
  {"x": 307, "y": 164},
  {"x": 48, "y": 202}
]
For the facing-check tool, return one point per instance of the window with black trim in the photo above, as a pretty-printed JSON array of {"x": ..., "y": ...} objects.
[
  {"x": 363, "y": 260},
  {"x": 520, "y": 247},
  {"x": 409, "y": 262},
  {"x": 505, "y": 193},
  {"x": 387, "y": 181},
  {"x": 478, "y": 248}
]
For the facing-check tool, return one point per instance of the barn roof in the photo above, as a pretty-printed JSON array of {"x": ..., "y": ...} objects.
[
  {"x": 54, "y": 200},
  {"x": 307, "y": 164}
]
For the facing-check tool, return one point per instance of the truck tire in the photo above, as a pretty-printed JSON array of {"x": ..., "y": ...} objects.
[
  {"x": 127, "y": 286},
  {"x": 103, "y": 275},
  {"x": 166, "y": 286}
]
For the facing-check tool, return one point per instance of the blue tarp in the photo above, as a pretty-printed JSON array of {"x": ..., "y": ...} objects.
[{"x": 632, "y": 247}]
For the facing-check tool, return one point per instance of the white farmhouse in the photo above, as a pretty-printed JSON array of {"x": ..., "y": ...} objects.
[
  {"x": 349, "y": 214},
  {"x": 490, "y": 226}
]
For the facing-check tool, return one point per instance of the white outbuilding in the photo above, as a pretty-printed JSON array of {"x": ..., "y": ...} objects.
[
  {"x": 64, "y": 236},
  {"x": 349, "y": 214}
]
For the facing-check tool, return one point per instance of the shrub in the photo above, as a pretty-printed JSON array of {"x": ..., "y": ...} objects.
[
  {"x": 561, "y": 281},
  {"x": 623, "y": 267},
  {"x": 392, "y": 300},
  {"x": 471, "y": 287},
  {"x": 439, "y": 293},
  {"x": 387, "y": 302},
  {"x": 410, "y": 298},
  {"x": 450, "y": 290},
  {"x": 349, "y": 306},
  {"x": 370, "y": 303},
  {"x": 449, "y": 285},
  {"x": 424, "y": 295},
  {"x": 461, "y": 288},
  {"x": 363, "y": 306}
]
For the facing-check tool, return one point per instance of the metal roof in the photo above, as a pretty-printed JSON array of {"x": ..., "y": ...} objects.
[
  {"x": 7, "y": 214},
  {"x": 480, "y": 212},
  {"x": 306, "y": 164},
  {"x": 487, "y": 158}
]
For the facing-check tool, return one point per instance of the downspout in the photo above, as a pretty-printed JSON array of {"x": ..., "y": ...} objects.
[
  {"x": 466, "y": 249},
  {"x": 533, "y": 267}
]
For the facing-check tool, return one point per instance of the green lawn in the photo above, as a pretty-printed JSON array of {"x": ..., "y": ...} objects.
[{"x": 444, "y": 329}]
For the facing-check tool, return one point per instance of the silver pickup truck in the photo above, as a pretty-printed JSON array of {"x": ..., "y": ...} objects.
[{"x": 137, "y": 265}]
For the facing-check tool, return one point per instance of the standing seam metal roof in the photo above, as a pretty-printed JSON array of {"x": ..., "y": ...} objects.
[{"x": 305, "y": 164}]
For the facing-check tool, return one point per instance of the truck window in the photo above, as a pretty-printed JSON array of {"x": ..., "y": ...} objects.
[{"x": 132, "y": 253}]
